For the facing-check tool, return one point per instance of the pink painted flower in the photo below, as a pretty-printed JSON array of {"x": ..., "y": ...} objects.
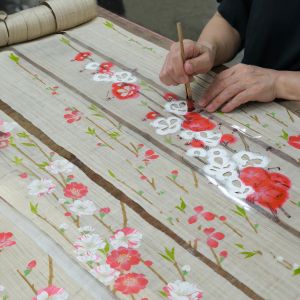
[
  {"x": 208, "y": 216},
  {"x": 175, "y": 172},
  {"x": 148, "y": 263},
  {"x": 143, "y": 177},
  {"x": 41, "y": 187},
  {"x": 75, "y": 190},
  {"x": 123, "y": 259},
  {"x": 5, "y": 240},
  {"x": 131, "y": 283},
  {"x": 105, "y": 210},
  {"x": 223, "y": 254},
  {"x": 170, "y": 96},
  {"x": 51, "y": 292},
  {"x": 127, "y": 238},
  {"x": 31, "y": 265},
  {"x": 68, "y": 214},
  {"x": 73, "y": 116},
  {"x": 213, "y": 237},
  {"x": 23, "y": 175},
  {"x": 82, "y": 56},
  {"x": 223, "y": 218},
  {"x": 150, "y": 154},
  {"x": 4, "y": 140}
]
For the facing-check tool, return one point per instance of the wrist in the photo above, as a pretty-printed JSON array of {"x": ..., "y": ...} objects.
[
  {"x": 212, "y": 46},
  {"x": 279, "y": 89}
]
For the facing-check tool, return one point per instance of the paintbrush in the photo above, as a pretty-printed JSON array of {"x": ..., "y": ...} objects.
[{"x": 188, "y": 90}]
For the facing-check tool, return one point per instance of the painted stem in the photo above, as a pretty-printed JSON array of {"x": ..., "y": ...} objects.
[
  {"x": 251, "y": 224},
  {"x": 276, "y": 119},
  {"x": 108, "y": 227},
  {"x": 77, "y": 222},
  {"x": 290, "y": 116},
  {"x": 179, "y": 271},
  {"x": 233, "y": 229},
  {"x": 125, "y": 220},
  {"x": 103, "y": 142},
  {"x": 215, "y": 256},
  {"x": 159, "y": 276},
  {"x": 196, "y": 182},
  {"x": 177, "y": 184},
  {"x": 30, "y": 73},
  {"x": 31, "y": 285},
  {"x": 48, "y": 157},
  {"x": 247, "y": 148},
  {"x": 51, "y": 273}
]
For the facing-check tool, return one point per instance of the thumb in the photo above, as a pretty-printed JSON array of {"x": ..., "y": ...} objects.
[{"x": 200, "y": 64}]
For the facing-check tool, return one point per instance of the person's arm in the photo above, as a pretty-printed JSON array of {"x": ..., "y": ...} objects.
[
  {"x": 288, "y": 85},
  {"x": 218, "y": 43}
]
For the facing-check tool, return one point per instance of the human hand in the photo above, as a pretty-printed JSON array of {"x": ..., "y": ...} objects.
[
  {"x": 238, "y": 85},
  {"x": 199, "y": 58}
]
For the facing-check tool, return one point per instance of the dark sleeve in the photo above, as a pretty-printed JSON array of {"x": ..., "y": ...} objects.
[{"x": 236, "y": 13}]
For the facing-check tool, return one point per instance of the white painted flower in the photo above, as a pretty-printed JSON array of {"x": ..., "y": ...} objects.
[
  {"x": 63, "y": 226},
  {"x": 186, "y": 269},
  {"x": 60, "y": 166},
  {"x": 183, "y": 290},
  {"x": 83, "y": 207},
  {"x": 2, "y": 288},
  {"x": 295, "y": 266},
  {"x": 63, "y": 201},
  {"x": 89, "y": 242},
  {"x": 105, "y": 274},
  {"x": 127, "y": 238},
  {"x": 87, "y": 257},
  {"x": 7, "y": 126},
  {"x": 40, "y": 187},
  {"x": 279, "y": 258},
  {"x": 86, "y": 229}
]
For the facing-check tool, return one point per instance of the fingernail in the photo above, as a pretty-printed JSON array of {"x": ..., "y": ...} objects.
[
  {"x": 210, "y": 108},
  {"x": 202, "y": 102},
  {"x": 183, "y": 79}
]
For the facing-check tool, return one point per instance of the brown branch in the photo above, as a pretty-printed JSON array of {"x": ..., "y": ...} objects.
[
  {"x": 178, "y": 185},
  {"x": 125, "y": 220},
  {"x": 196, "y": 183},
  {"x": 51, "y": 273},
  {"x": 31, "y": 285}
]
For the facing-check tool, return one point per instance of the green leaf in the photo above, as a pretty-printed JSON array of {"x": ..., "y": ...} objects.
[
  {"x": 17, "y": 160},
  {"x": 27, "y": 272},
  {"x": 298, "y": 203},
  {"x": 240, "y": 246},
  {"x": 165, "y": 257},
  {"x": 163, "y": 294},
  {"x": 91, "y": 131},
  {"x": 114, "y": 135},
  {"x": 28, "y": 144},
  {"x": 182, "y": 206},
  {"x": 170, "y": 219},
  {"x": 108, "y": 24},
  {"x": 65, "y": 41},
  {"x": 106, "y": 249},
  {"x": 170, "y": 253},
  {"x": 11, "y": 141},
  {"x": 23, "y": 135},
  {"x": 34, "y": 208},
  {"x": 112, "y": 174},
  {"x": 98, "y": 115},
  {"x": 141, "y": 193},
  {"x": 296, "y": 271},
  {"x": 284, "y": 135},
  {"x": 5, "y": 297},
  {"x": 14, "y": 58},
  {"x": 248, "y": 254},
  {"x": 93, "y": 107},
  {"x": 240, "y": 211},
  {"x": 43, "y": 165},
  {"x": 168, "y": 140}
]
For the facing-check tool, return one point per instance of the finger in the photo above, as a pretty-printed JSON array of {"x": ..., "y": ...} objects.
[
  {"x": 225, "y": 96},
  {"x": 198, "y": 65},
  {"x": 166, "y": 73},
  {"x": 226, "y": 73},
  {"x": 216, "y": 88},
  {"x": 241, "y": 98},
  {"x": 178, "y": 70}
]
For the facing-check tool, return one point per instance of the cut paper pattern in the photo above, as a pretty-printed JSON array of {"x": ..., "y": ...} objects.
[
  {"x": 165, "y": 126},
  {"x": 177, "y": 107}
]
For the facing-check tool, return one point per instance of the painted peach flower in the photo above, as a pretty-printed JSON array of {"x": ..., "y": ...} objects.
[
  {"x": 83, "y": 207},
  {"x": 75, "y": 190},
  {"x": 7, "y": 127},
  {"x": 82, "y": 56},
  {"x": 60, "y": 166},
  {"x": 41, "y": 187},
  {"x": 5, "y": 240},
  {"x": 131, "y": 283},
  {"x": 105, "y": 274},
  {"x": 123, "y": 259},
  {"x": 182, "y": 290},
  {"x": 127, "y": 238},
  {"x": 74, "y": 116},
  {"x": 51, "y": 293},
  {"x": 213, "y": 237},
  {"x": 89, "y": 242}
]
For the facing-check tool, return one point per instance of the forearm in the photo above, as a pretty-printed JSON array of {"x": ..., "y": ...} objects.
[
  {"x": 223, "y": 39},
  {"x": 288, "y": 85}
]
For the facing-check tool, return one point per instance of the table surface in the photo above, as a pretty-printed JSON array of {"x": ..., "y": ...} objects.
[{"x": 109, "y": 189}]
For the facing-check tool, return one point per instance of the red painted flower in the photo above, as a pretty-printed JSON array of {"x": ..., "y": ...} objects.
[
  {"x": 131, "y": 283},
  {"x": 68, "y": 214},
  {"x": 152, "y": 115},
  {"x": 107, "y": 65},
  {"x": 150, "y": 154},
  {"x": 213, "y": 237},
  {"x": 195, "y": 122},
  {"x": 123, "y": 259},
  {"x": 31, "y": 265},
  {"x": 73, "y": 116},
  {"x": 82, "y": 56},
  {"x": 294, "y": 141},
  {"x": 170, "y": 97},
  {"x": 224, "y": 254},
  {"x": 23, "y": 175},
  {"x": 148, "y": 263},
  {"x": 123, "y": 91},
  {"x": 197, "y": 144},
  {"x": 270, "y": 189},
  {"x": 5, "y": 240},
  {"x": 51, "y": 292},
  {"x": 175, "y": 172},
  {"x": 228, "y": 139},
  {"x": 75, "y": 190},
  {"x": 208, "y": 216}
]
